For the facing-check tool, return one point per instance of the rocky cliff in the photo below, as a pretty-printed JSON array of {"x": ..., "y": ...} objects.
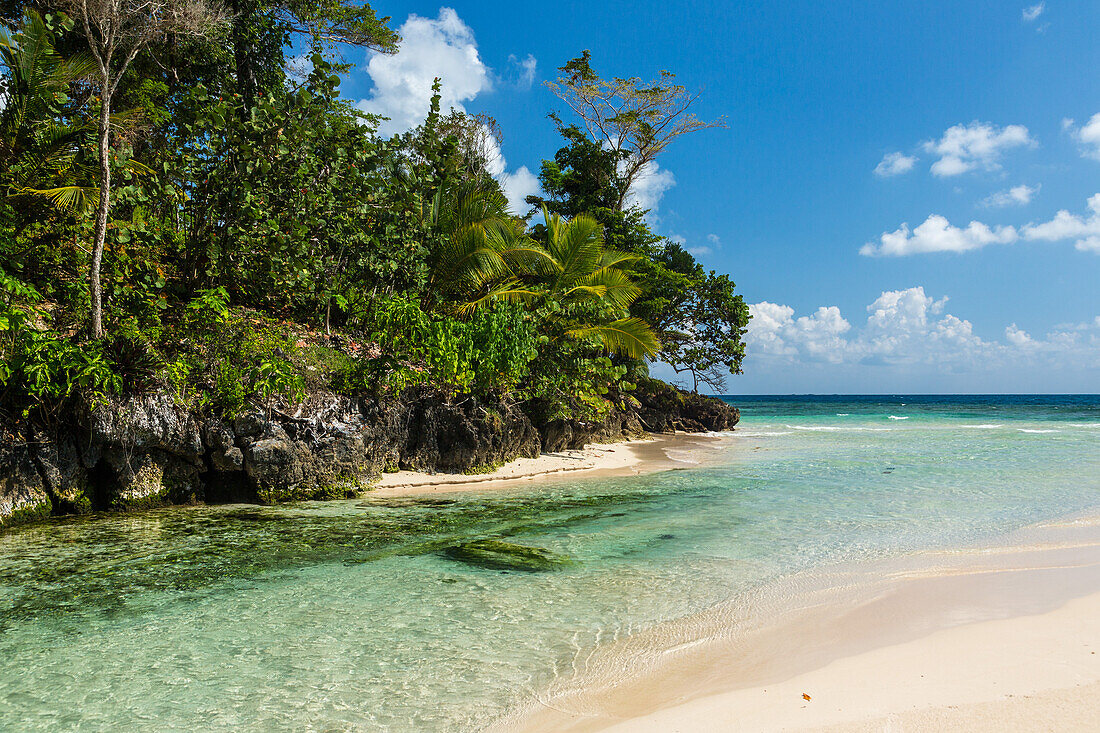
[{"x": 145, "y": 451}]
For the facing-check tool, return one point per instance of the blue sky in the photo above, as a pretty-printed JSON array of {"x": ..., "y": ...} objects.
[{"x": 862, "y": 141}]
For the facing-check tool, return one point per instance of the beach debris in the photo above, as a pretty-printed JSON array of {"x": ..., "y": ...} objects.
[
  {"x": 507, "y": 556},
  {"x": 806, "y": 697}
]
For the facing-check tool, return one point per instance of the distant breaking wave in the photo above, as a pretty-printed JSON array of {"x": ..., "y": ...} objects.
[
  {"x": 835, "y": 428},
  {"x": 895, "y": 417}
]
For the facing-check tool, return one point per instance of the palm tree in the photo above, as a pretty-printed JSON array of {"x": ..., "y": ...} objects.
[
  {"x": 584, "y": 279},
  {"x": 40, "y": 152},
  {"x": 480, "y": 248},
  {"x": 484, "y": 256}
]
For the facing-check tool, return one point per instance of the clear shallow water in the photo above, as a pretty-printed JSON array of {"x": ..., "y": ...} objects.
[{"x": 345, "y": 615}]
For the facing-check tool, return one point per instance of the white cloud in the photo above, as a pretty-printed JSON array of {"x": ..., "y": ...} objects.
[
  {"x": 902, "y": 326},
  {"x": 894, "y": 164},
  {"x": 525, "y": 70},
  {"x": 937, "y": 234},
  {"x": 518, "y": 184},
  {"x": 441, "y": 47},
  {"x": 1032, "y": 13},
  {"x": 775, "y": 331},
  {"x": 909, "y": 327},
  {"x": 965, "y": 148},
  {"x": 1015, "y": 196},
  {"x": 714, "y": 240},
  {"x": 1088, "y": 136},
  {"x": 1017, "y": 336},
  {"x": 517, "y": 187},
  {"x": 1064, "y": 226},
  {"x": 650, "y": 186}
]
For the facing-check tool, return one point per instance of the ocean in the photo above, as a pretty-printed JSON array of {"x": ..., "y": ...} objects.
[{"x": 348, "y": 615}]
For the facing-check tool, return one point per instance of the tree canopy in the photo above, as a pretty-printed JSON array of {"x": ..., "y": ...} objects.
[{"x": 178, "y": 214}]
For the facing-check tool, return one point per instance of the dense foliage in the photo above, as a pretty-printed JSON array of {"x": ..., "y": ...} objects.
[{"x": 261, "y": 240}]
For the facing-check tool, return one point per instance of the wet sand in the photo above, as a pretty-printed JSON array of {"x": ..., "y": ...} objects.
[{"x": 1002, "y": 636}]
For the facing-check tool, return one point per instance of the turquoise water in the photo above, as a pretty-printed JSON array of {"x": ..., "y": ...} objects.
[{"x": 346, "y": 616}]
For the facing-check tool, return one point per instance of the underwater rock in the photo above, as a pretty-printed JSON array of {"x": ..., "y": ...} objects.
[{"x": 507, "y": 556}]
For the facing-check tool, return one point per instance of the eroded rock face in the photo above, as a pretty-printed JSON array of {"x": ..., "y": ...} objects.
[
  {"x": 23, "y": 495},
  {"x": 663, "y": 408},
  {"x": 142, "y": 452}
]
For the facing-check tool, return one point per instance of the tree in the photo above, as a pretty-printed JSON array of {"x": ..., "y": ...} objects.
[
  {"x": 116, "y": 31},
  {"x": 708, "y": 343},
  {"x": 696, "y": 315},
  {"x": 635, "y": 119},
  {"x": 477, "y": 141},
  {"x": 261, "y": 28},
  {"x": 584, "y": 281},
  {"x": 39, "y": 148}
]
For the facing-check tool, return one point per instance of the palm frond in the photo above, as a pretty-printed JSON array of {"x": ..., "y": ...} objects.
[
  {"x": 631, "y": 337},
  {"x": 510, "y": 291}
]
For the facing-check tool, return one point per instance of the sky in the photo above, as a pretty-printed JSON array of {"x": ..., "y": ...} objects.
[{"x": 906, "y": 193}]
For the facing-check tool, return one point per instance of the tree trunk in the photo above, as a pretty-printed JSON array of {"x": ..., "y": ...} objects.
[
  {"x": 247, "y": 83},
  {"x": 104, "y": 207}
]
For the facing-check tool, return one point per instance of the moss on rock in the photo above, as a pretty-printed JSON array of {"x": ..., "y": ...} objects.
[{"x": 507, "y": 556}]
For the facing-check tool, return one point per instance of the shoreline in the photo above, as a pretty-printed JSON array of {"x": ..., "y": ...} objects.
[
  {"x": 656, "y": 452},
  {"x": 987, "y": 637}
]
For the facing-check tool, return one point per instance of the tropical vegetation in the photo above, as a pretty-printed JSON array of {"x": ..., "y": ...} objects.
[{"x": 181, "y": 213}]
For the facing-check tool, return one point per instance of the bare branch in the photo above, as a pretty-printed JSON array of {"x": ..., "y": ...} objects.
[{"x": 634, "y": 118}]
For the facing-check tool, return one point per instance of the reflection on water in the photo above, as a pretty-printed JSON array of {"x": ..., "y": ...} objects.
[{"x": 350, "y": 616}]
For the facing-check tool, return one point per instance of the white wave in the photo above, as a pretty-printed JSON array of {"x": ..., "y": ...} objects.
[
  {"x": 895, "y": 417},
  {"x": 843, "y": 414},
  {"x": 762, "y": 433},
  {"x": 1026, "y": 430},
  {"x": 836, "y": 428}
]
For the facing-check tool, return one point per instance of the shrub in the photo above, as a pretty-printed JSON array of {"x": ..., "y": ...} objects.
[{"x": 489, "y": 353}]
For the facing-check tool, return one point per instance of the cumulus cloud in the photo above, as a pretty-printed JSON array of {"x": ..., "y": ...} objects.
[
  {"x": 907, "y": 327},
  {"x": 979, "y": 145},
  {"x": 937, "y": 234},
  {"x": 1088, "y": 136},
  {"x": 1016, "y": 196},
  {"x": 1031, "y": 14},
  {"x": 775, "y": 331},
  {"x": 441, "y": 47},
  {"x": 518, "y": 186},
  {"x": 1066, "y": 226},
  {"x": 901, "y": 326},
  {"x": 650, "y": 186},
  {"x": 894, "y": 164},
  {"x": 1017, "y": 336}
]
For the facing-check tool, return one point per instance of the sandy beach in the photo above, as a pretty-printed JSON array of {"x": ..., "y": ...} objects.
[
  {"x": 627, "y": 458},
  {"x": 995, "y": 637}
]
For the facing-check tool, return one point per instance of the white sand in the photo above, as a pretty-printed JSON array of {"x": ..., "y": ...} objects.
[
  {"x": 631, "y": 457},
  {"x": 1029, "y": 673},
  {"x": 1000, "y": 637}
]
